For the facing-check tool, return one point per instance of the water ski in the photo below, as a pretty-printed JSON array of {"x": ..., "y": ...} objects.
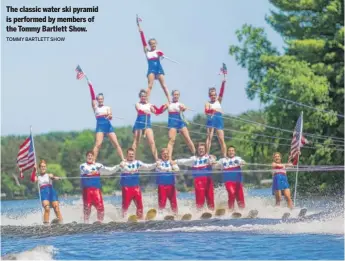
[
  {"x": 206, "y": 215},
  {"x": 55, "y": 221},
  {"x": 97, "y": 223},
  {"x": 132, "y": 218},
  {"x": 236, "y": 215},
  {"x": 169, "y": 217},
  {"x": 286, "y": 216},
  {"x": 186, "y": 217},
  {"x": 302, "y": 213},
  {"x": 253, "y": 213},
  {"x": 151, "y": 214},
  {"x": 220, "y": 212}
]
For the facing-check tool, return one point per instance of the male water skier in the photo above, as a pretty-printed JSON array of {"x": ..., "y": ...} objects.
[
  {"x": 129, "y": 180},
  {"x": 91, "y": 185},
  {"x": 166, "y": 181},
  {"x": 232, "y": 177},
  {"x": 202, "y": 174}
]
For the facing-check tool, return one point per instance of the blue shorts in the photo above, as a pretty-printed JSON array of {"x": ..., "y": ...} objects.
[
  {"x": 155, "y": 67},
  {"x": 215, "y": 121},
  {"x": 104, "y": 125},
  {"x": 48, "y": 193},
  {"x": 142, "y": 122},
  {"x": 175, "y": 121},
  {"x": 280, "y": 182}
]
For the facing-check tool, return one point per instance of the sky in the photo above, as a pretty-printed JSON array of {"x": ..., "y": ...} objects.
[{"x": 38, "y": 79}]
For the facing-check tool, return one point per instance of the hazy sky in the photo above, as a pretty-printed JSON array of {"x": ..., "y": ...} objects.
[{"x": 39, "y": 85}]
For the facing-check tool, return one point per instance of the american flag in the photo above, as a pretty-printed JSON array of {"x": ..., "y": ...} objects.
[
  {"x": 80, "y": 73},
  {"x": 296, "y": 145},
  {"x": 26, "y": 156},
  {"x": 223, "y": 70}
]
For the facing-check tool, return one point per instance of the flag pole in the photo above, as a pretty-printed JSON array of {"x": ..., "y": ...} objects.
[
  {"x": 299, "y": 148},
  {"x": 38, "y": 187}
]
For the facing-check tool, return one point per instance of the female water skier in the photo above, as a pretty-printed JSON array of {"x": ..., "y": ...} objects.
[
  {"x": 166, "y": 181},
  {"x": 48, "y": 193},
  {"x": 143, "y": 123},
  {"x": 202, "y": 174},
  {"x": 103, "y": 116},
  {"x": 232, "y": 177},
  {"x": 129, "y": 182},
  {"x": 91, "y": 186},
  {"x": 176, "y": 123},
  {"x": 155, "y": 69},
  {"x": 280, "y": 181},
  {"x": 213, "y": 110}
]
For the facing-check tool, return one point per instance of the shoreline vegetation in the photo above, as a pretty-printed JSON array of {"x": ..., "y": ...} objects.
[
  {"x": 65, "y": 151},
  {"x": 306, "y": 75}
]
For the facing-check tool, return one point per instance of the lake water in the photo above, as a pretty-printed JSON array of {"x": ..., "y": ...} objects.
[{"x": 213, "y": 239}]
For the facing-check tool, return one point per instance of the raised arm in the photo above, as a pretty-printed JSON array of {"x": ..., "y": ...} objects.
[
  {"x": 142, "y": 36},
  {"x": 221, "y": 92},
  {"x": 186, "y": 162},
  {"x": 93, "y": 96}
]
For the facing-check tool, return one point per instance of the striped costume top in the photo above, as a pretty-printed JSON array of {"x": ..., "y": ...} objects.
[
  {"x": 201, "y": 166},
  {"x": 231, "y": 167},
  {"x": 130, "y": 172},
  {"x": 165, "y": 175},
  {"x": 90, "y": 174}
]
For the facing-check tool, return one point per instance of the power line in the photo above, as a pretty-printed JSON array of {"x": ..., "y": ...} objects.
[{"x": 298, "y": 103}]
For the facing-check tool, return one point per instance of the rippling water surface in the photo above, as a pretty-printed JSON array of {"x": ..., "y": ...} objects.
[{"x": 321, "y": 237}]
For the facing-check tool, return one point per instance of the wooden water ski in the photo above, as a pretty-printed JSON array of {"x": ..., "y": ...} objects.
[
  {"x": 253, "y": 213},
  {"x": 169, "y": 217},
  {"x": 236, "y": 215},
  {"x": 206, "y": 215},
  {"x": 55, "y": 221},
  {"x": 186, "y": 217},
  {"x": 132, "y": 218},
  {"x": 286, "y": 216},
  {"x": 220, "y": 212},
  {"x": 302, "y": 213},
  {"x": 151, "y": 214}
]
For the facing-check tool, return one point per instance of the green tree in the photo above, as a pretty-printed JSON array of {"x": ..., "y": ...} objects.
[
  {"x": 63, "y": 185},
  {"x": 310, "y": 71}
]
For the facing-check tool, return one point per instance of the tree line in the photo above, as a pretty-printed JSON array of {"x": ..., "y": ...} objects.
[{"x": 309, "y": 71}]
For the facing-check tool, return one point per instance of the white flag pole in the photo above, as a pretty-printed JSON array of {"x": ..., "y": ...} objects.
[
  {"x": 38, "y": 187},
  {"x": 299, "y": 150}
]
